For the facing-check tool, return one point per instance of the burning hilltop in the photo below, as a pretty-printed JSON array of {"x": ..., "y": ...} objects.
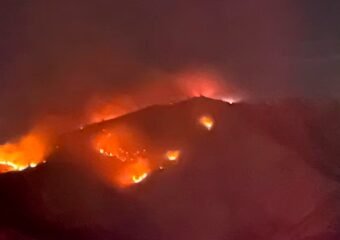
[
  {"x": 36, "y": 145},
  {"x": 196, "y": 169}
]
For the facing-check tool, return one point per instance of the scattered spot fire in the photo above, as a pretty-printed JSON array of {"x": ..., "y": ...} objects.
[
  {"x": 173, "y": 155},
  {"x": 121, "y": 154},
  {"x": 207, "y": 121}
]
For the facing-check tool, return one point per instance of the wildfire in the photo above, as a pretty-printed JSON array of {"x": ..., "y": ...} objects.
[
  {"x": 28, "y": 151},
  {"x": 126, "y": 160},
  {"x": 138, "y": 179},
  {"x": 133, "y": 172},
  {"x": 122, "y": 154},
  {"x": 173, "y": 155},
  {"x": 207, "y": 122},
  {"x": 10, "y": 166}
]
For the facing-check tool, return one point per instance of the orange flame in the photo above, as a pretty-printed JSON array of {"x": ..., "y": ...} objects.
[
  {"x": 133, "y": 172},
  {"x": 138, "y": 179},
  {"x": 28, "y": 151},
  {"x": 126, "y": 160},
  {"x": 207, "y": 121},
  {"x": 173, "y": 155},
  {"x": 8, "y": 166}
]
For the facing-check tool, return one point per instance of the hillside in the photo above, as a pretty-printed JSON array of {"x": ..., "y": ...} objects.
[{"x": 258, "y": 171}]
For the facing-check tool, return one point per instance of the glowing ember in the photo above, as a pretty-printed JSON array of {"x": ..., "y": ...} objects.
[
  {"x": 121, "y": 154},
  {"x": 207, "y": 122},
  {"x": 173, "y": 155},
  {"x": 138, "y": 179}
]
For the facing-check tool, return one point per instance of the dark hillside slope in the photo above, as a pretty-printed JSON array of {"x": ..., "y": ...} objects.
[{"x": 262, "y": 172}]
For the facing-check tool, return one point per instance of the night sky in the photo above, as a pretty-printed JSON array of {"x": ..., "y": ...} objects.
[{"x": 57, "y": 54}]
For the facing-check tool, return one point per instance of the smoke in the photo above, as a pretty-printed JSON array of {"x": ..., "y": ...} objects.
[{"x": 62, "y": 57}]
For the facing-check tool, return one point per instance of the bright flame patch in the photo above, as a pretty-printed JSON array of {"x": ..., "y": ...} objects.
[
  {"x": 138, "y": 179},
  {"x": 173, "y": 155},
  {"x": 26, "y": 152},
  {"x": 132, "y": 172},
  {"x": 126, "y": 161},
  {"x": 207, "y": 121},
  {"x": 10, "y": 166}
]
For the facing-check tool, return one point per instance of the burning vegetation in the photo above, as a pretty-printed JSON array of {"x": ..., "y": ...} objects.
[
  {"x": 133, "y": 172},
  {"x": 123, "y": 154},
  {"x": 128, "y": 158},
  {"x": 129, "y": 161},
  {"x": 32, "y": 148},
  {"x": 173, "y": 155},
  {"x": 207, "y": 121},
  {"x": 28, "y": 151},
  {"x": 139, "y": 178}
]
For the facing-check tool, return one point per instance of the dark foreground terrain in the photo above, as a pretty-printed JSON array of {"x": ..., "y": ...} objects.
[{"x": 263, "y": 172}]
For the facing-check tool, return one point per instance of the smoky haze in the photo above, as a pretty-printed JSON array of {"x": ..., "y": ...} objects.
[{"x": 56, "y": 56}]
